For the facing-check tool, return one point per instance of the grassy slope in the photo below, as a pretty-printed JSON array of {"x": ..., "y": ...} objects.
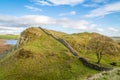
[
  {"x": 46, "y": 59},
  {"x": 42, "y": 58},
  {"x": 8, "y": 36},
  {"x": 79, "y": 41},
  {"x": 110, "y": 75}
]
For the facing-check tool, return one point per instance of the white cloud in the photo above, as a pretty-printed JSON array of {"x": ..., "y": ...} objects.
[
  {"x": 80, "y": 25},
  {"x": 11, "y": 30},
  {"x": 95, "y": 3},
  {"x": 99, "y": 29},
  {"x": 43, "y": 3},
  {"x": 112, "y": 29},
  {"x": 72, "y": 13},
  {"x": 90, "y": 5},
  {"x": 104, "y": 10},
  {"x": 32, "y": 8},
  {"x": 9, "y": 23},
  {"x": 59, "y": 2},
  {"x": 67, "y": 14}
]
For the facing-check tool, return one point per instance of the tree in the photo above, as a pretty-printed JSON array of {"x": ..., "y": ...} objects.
[{"x": 102, "y": 45}]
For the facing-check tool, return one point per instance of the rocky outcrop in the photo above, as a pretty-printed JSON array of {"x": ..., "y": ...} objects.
[
  {"x": 26, "y": 36},
  {"x": 22, "y": 40}
]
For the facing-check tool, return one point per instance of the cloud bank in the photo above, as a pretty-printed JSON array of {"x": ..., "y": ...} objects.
[
  {"x": 16, "y": 24},
  {"x": 104, "y": 10}
]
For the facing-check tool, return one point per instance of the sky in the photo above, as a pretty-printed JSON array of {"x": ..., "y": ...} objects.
[{"x": 70, "y": 16}]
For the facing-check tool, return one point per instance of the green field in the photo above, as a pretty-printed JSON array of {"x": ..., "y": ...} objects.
[
  {"x": 9, "y": 36},
  {"x": 116, "y": 39}
]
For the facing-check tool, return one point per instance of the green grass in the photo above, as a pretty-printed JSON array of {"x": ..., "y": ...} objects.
[
  {"x": 48, "y": 60},
  {"x": 110, "y": 75},
  {"x": 43, "y": 58},
  {"x": 9, "y": 36},
  {"x": 79, "y": 41}
]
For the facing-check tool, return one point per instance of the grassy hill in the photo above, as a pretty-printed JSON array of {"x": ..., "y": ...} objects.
[
  {"x": 40, "y": 57},
  {"x": 81, "y": 42}
]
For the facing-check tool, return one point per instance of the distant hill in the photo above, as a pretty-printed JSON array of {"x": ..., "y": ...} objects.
[
  {"x": 38, "y": 56},
  {"x": 9, "y": 36},
  {"x": 116, "y": 39}
]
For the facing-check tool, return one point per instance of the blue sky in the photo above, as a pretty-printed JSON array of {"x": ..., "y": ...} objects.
[{"x": 70, "y": 16}]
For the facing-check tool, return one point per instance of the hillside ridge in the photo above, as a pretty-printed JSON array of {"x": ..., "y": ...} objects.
[
  {"x": 75, "y": 53},
  {"x": 43, "y": 54},
  {"x": 62, "y": 41}
]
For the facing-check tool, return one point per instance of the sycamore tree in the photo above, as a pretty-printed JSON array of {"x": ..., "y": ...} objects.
[{"x": 102, "y": 45}]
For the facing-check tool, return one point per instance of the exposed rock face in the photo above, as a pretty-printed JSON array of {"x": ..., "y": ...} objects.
[
  {"x": 26, "y": 36},
  {"x": 22, "y": 40}
]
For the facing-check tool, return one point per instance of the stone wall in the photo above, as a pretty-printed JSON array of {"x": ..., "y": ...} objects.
[
  {"x": 93, "y": 66},
  {"x": 75, "y": 53}
]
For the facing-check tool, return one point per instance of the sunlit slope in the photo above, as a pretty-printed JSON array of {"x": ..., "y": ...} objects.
[
  {"x": 40, "y": 57},
  {"x": 83, "y": 41}
]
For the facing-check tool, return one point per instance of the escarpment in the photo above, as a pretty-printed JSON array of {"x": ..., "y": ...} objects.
[
  {"x": 75, "y": 53},
  {"x": 43, "y": 54},
  {"x": 27, "y": 36}
]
